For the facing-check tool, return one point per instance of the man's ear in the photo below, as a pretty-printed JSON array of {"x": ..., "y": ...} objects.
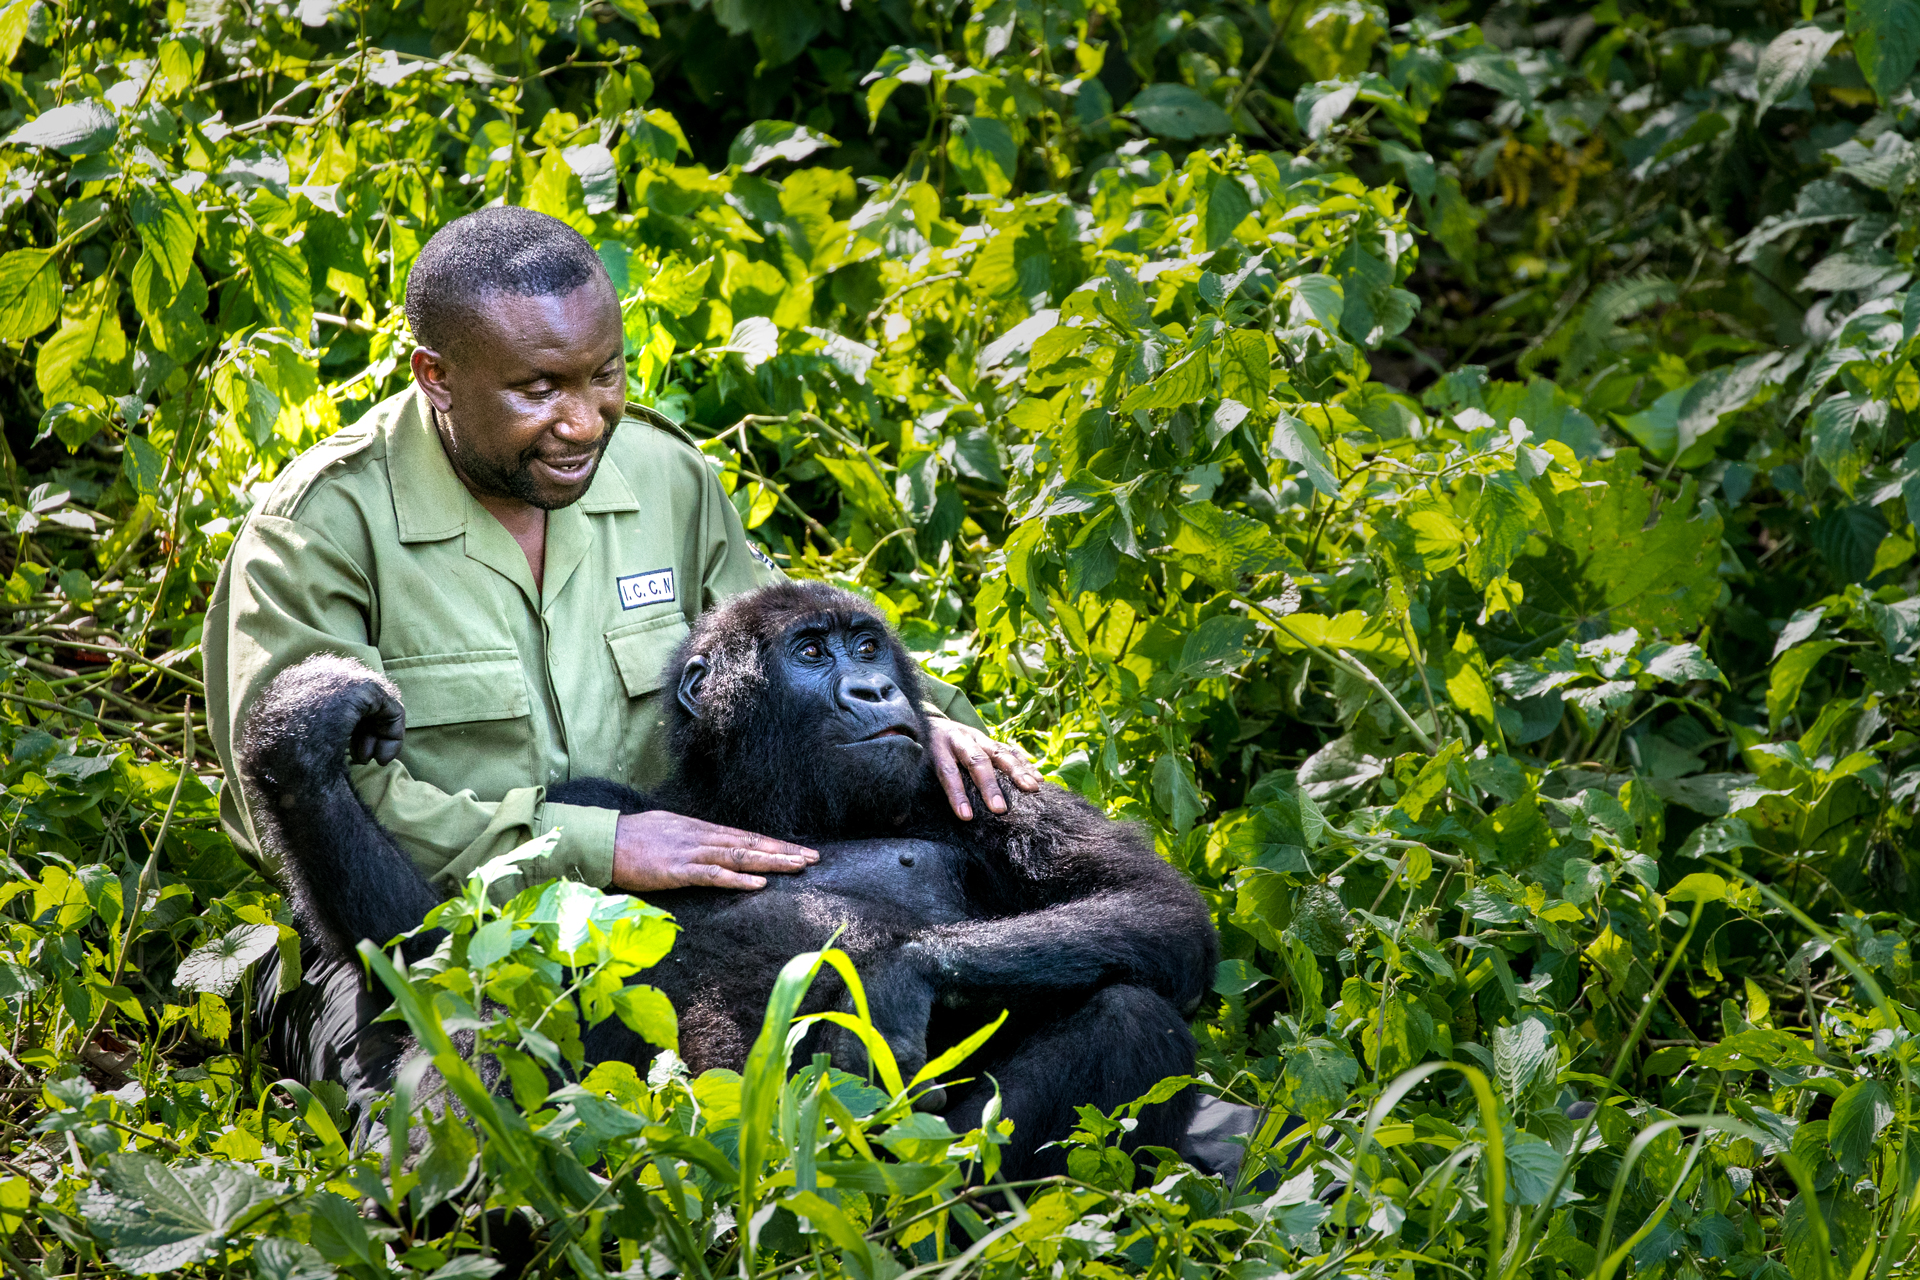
[
  {"x": 692, "y": 676},
  {"x": 430, "y": 373}
]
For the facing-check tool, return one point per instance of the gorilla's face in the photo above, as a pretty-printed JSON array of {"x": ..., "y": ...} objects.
[{"x": 804, "y": 717}]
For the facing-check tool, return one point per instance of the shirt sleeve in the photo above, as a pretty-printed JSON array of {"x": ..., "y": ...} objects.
[{"x": 286, "y": 592}]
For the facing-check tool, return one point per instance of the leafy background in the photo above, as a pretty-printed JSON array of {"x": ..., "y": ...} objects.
[{"x": 1449, "y": 471}]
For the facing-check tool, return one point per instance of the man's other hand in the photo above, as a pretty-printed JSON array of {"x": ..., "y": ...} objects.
[
  {"x": 957, "y": 746},
  {"x": 667, "y": 851}
]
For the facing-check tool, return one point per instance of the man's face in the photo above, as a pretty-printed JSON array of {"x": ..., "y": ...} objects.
[{"x": 529, "y": 404}]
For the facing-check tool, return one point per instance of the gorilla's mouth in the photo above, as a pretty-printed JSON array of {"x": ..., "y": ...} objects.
[{"x": 891, "y": 733}]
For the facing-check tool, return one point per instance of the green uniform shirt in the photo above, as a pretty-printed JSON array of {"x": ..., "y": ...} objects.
[{"x": 368, "y": 545}]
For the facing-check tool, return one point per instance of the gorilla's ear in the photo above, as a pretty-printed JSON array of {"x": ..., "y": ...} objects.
[{"x": 692, "y": 676}]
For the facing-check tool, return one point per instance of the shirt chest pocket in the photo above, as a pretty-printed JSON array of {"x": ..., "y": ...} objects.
[
  {"x": 642, "y": 652},
  {"x": 469, "y": 720}
]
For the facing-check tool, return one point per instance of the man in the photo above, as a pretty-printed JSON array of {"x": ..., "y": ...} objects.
[{"x": 521, "y": 570}]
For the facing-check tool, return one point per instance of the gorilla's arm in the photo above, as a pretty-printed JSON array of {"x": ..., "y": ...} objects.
[
  {"x": 601, "y": 793},
  {"x": 1072, "y": 901},
  {"x": 347, "y": 878}
]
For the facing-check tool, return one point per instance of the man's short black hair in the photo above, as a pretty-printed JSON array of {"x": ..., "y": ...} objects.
[{"x": 502, "y": 249}]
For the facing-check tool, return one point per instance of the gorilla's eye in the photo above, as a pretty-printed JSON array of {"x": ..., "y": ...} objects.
[
  {"x": 812, "y": 650},
  {"x": 866, "y": 646}
]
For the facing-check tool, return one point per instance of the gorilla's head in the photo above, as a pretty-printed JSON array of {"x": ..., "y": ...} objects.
[{"x": 798, "y": 711}]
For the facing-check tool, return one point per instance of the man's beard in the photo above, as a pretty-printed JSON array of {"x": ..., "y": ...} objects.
[{"x": 515, "y": 480}]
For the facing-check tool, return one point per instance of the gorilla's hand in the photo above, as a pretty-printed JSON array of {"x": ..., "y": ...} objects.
[
  {"x": 901, "y": 998},
  {"x": 381, "y": 727},
  {"x": 956, "y": 746},
  {"x": 660, "y": 850}
]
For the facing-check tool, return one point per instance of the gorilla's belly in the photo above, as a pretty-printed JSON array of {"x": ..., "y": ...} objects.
[{"x": 895, "y": 884}]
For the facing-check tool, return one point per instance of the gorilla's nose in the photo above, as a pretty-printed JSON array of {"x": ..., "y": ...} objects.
[{"x": 874, "y": 690}]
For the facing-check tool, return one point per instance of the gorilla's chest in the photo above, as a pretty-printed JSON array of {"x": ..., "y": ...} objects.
[{"x": 872, "y": 886}]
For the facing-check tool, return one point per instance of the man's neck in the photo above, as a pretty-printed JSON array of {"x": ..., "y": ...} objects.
[{"x": 526, "y": 522}]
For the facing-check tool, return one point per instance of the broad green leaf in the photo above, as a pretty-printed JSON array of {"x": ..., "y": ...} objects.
[
  {"x": 85, "y": 358},
  {"x": 218, "y": 966},
  {"x": 1177, "y": 112},
  {"x": 156, "y": 1218},
  {"x": 1886, "y": 40},
  {"x": 1612, "y": 563},
  {"x": 1317, "y": 1077},
  {"x": 1320, "y": 920},
  {"x": 1505, "y": 517},
  {"x": 1296, "y": 440},
  {"x": 76, "y": 129},
  {"x": 761, "y": 143},
  {"x": 1789, "y": 674},
  {"x": 169, "y": 227},
  {"x": 1244, "y": 374},
  {"x": 29, "y": 293},
  {"x": 1858, "y": 1118},
  {"x": 1227, "y": 207},
  {"x": 277, "y": 278},
  {"x": 1173, "y": 788},
  {"x": 1788, "y": 62},
  {"x": 982, "y": 153}
]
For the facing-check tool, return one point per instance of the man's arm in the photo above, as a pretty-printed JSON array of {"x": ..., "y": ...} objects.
[{"x": 288, "y": 591}]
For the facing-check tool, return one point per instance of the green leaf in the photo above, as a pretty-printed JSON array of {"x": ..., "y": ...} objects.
[
  {"x": 599, "y": 183},
  {"x": 1788, "y": 674},
  {"x": 168, "y": 226},
  {"x": 1227, "y": 207},
  {"x": 982, "y": 153},
  {"x": 158, "y": 1218},
  {"x": 1173, "y": 788},
  {"x": 85, "y": 358},
  {"x": 1178, "y": 112},
  {"x": 1859, "y": 1115},
  {"x": 29, "y": 293},
  {"x": 1788, "y": 63},
  {"x": 649, "y": 1013},
  {"x": 1297, "y": 442},
  {"x": 1504, "y": 517},
  {"x": 77, "y": 129},
  {"x": 218, "y": 966},
  {"x": 764, "y": 141},
  {"x": 1886, "y": 40},
  {"x": 1612, "y": 565},
  {"x": 1317, "y": 1077},
  {"x": 277, "y": 278},
  {"x": 1320, "y": 920}
]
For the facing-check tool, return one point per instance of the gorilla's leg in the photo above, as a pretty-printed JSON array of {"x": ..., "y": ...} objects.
[
  {"x": 324, "y": 1028},
  {"x": 1108, "y": 1051}
]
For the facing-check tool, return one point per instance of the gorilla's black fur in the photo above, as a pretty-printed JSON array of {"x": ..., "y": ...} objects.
[{"x": 798, "y": 716}]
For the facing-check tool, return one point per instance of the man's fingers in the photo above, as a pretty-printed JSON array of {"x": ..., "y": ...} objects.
[
  {"x": 705, "y": 873},
  {"x": 949, "y": 773},
  {"x": 713, "y": 834},
  {"x": 1013, "y": 762},
  {"x": 736, "y": 858},
  {"x": 980, "y": 765}
]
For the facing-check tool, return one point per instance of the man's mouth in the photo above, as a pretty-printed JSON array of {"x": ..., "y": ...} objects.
[{"x": 569, "y": 470}]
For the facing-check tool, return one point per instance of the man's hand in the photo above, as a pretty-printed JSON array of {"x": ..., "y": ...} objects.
[
  {"x": 667, "y": 851},
  {"x": 957, "y": 746}
]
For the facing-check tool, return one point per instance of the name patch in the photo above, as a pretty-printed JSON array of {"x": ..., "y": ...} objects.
[{"x": 639, "y": 589}]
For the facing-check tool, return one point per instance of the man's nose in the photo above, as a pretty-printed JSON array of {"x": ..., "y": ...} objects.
[
  {"x": 867, "y": 689},
  {"x": 580, "y": 420}
]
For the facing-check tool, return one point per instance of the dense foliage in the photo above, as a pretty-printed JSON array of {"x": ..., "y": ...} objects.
[{"x": 1452, "y": 473}]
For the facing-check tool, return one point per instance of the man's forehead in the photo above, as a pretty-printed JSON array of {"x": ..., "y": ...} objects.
[{"x": 583, "y": 323}]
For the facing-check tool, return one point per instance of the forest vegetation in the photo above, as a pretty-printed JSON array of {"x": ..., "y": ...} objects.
[{"x": 1450, "y": 471}]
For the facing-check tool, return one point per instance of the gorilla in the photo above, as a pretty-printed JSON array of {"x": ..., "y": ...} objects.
[{"x": 798, "y": 715}]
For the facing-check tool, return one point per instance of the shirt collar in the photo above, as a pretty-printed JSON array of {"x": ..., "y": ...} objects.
[{"x": 429, "y": 501}]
